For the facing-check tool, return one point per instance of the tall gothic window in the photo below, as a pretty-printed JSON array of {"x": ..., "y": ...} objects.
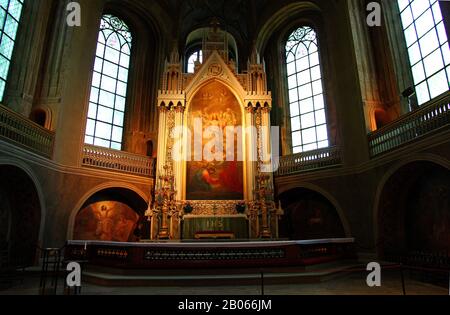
[
  {"x": 10, "y": 14},
  {"x": 306, "y": 99},
  {"x": 427, "y": 44},
  {"x": 109, "y": 84},
  {"x": 193, "y": 57}
]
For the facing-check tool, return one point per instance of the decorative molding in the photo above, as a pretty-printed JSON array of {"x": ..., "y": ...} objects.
[{"x": 214, "y": 207}]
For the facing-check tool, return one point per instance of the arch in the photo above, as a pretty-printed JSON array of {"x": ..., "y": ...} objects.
[
  {"x": 150, "y": 148},
  {"x": 37, "y": 184},
  {"x": 92, "y": 192},
  {"x": 237, "y": 92},
  {"x": 319, "y": 190},
  {"x": 390, "y": 173},
  {"x": 25, "y": 231},
  {"x": 5, "y": 220},
  {"x": 279, "y": 18},
  {"x": 381, "y": 118},
  {"x": 42, "y": 116},
  {"x": 149, "y": 12},
  {"x": 195, "y": 38}
]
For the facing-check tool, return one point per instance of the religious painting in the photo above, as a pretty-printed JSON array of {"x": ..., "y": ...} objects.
[
  {"x": 106, "y": 221},
  {"x": 215, "y": 108}
]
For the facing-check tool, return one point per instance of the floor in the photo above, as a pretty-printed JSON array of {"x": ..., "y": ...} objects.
[{"x": 350, "y": 284}]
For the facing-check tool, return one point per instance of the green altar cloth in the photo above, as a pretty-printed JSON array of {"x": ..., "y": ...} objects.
[{"x": 236, "y": 224}]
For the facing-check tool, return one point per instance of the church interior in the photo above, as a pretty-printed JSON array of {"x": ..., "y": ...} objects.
[{"x": 207, "y": 143}]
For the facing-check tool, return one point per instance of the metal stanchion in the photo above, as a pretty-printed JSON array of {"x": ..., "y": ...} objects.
[
  {"x": 262, "y": 282},
  {"x": 403, "y": 279},
  {"x": 50, "y": 269}
]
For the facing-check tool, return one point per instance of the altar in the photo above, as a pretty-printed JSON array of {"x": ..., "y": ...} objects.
[
  {"x": 214, "y": 172},
  {"x": 215, "y": 227}
]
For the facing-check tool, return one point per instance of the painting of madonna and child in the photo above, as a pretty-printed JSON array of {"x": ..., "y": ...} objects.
[{"x": 219, "y": 178}]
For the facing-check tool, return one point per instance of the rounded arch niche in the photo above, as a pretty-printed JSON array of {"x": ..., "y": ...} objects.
[
  {"x": 213, "y": 110},
  {"x": 110, "y": 214},
  {"x": 413, "y": 210},
  {"x": 20, "y": 214},
  {"x": 310, "y": 215}
]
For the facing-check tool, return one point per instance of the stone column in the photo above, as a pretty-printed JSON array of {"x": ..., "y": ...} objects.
[
  {"x": 67, "y": 80},
  {"x": 178, "y": 165},
  {"x": 266, "y": 145},
  {"x": 251, "y": 152},
  {"x": 29, "y": 54},
  {"x": 162, "y": 144}
]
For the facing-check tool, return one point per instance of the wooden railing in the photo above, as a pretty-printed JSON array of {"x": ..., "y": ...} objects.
[
  {"x": 17, "y": 129},
  {"x": 308, "y": 161},
  {"x": 427, "y": 119},
  {"x": 119, "y": 161}
]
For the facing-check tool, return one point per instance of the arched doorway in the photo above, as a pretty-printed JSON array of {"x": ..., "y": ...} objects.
[
  {"x": 309, "y": 215},
  {"x": 414, "y": 212},
  {"x": 20, "y": 215},
  {"x": 112, "y": 214}
]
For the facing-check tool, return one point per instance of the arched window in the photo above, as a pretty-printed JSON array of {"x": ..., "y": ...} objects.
[
  {"x": 10, "y": 13},
  {"x": 196, "y": 55},
  {"x": 109, "y": 84},
  {"x": 306, "y": 99},
  {"x": 426, "y": 40}
]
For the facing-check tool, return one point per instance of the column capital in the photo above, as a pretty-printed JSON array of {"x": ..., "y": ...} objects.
[
  {"x": 250, "y": 109},
  {"x": 163, "y": 109},
  {"x": 179, "y": 109}
]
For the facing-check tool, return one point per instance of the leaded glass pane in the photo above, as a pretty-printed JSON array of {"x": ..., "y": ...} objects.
[
  {"x": 427, "y": 43},
  {"x": 109, "y": 84},
  {"x": 10, "y": 14},
  {"x": 308, "y": 119}
]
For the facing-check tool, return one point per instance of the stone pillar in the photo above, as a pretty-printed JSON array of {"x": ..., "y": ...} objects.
[
  {"x": 445, "y": 9},
  {"x": 178, "y": 165},
  {"x": 162, "y": 143},
  {"x": 266, "y": 145},
  {"x": 67, "y": 80},
  {"x": 251, "y": 158},
  {"x": 29, "y": 53}
]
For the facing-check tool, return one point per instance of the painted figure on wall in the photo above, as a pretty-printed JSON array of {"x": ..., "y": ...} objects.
[
  {"x": 221, "y": 179},
  {"x": 106, "y": 221}
]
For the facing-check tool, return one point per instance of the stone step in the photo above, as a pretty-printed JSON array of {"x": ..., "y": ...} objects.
[{"x": 109, "y": 277}]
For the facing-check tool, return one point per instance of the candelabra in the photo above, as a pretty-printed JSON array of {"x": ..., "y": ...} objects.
[
  {"x": 263, "y": 181},
  {"x": 165, "y": 193}
]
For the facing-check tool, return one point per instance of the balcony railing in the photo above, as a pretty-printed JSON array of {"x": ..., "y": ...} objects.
[
  {"x": 19, "y": 130},
  {"x": 307, "y": 161},
  {"x": 118, "y": 161},
  {"x": 427, "y": 119}
]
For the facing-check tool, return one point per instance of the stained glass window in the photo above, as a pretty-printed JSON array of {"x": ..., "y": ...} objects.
[
  {"x": 10, "y": 14},
  {"x": 428, "y": 49},
  {"x": 109, "y": 84},
  {"x": 306, "y": 98}
]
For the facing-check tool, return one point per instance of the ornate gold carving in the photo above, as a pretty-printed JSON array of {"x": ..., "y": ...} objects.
[
  {"x": 179, "y": 109},
  {"x": 215, "y": 70},
  {"x": 250, "y": 109},
  {"x": 213, "y": 207}
]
